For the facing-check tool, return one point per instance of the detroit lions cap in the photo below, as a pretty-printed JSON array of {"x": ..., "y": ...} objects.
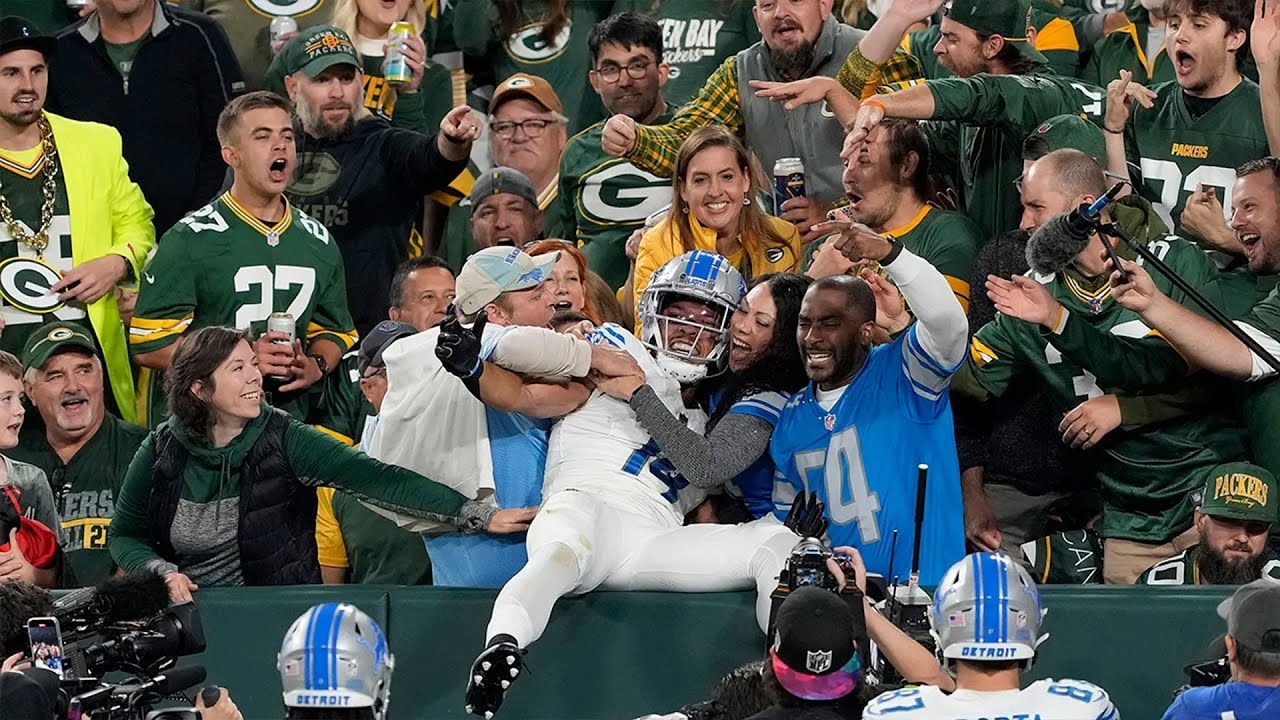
[
  {"x": 52, "y": 339},
  {"x": 496, "y": 270},
  {"x": 1253, "y": 616},
  {"x": 1006, "y": 18},
  {"x": 1241, "y": 491},
  {"x": 316, "y": 50},
  {"x": 814, "y": 654}
]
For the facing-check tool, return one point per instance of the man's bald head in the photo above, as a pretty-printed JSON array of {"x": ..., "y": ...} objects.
[{"x": 1073, "y": 172}]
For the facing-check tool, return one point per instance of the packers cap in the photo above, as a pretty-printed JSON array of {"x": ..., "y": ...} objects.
[
  {"x": 525, "y": 85},
  {"x": 1241, "y": 491},
  {"x": 496, "y": 270},
  {"x": 375, "y": 344},
  {"x": 317, "y": 50},
  {"x": 814, "y": 655},
  {"x": 1253, "y": 616},
  {"x": 501, "y": 180},
  {"x": 1073, "y": 131},
  {"x": 1006, "y": 18},
  {"x": 52, "y": 339}
]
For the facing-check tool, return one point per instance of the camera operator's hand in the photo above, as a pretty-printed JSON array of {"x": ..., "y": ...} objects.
[
  {"x": 859, "y": 569},
  {"x": 223, "y": 709},
  {"x": 180, "y": 587},
  {"x": 458, "y": 348},
  {"x": 14, "y": 662},
  {"x": 807, "y": 516}
]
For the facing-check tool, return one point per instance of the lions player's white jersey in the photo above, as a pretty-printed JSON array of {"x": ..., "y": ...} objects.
[
  {"x": 1042, "y": 700},
  {"x": 601, "y": 447}
]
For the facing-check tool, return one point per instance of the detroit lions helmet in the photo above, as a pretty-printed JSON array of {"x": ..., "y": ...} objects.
[
  {"x": 987, "y": 608},
  {"x": 704, "y": 277},
  {"x": 335, "y": 656}
]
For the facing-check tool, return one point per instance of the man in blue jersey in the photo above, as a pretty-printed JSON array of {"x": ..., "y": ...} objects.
[{"x": 871, "y": 415}]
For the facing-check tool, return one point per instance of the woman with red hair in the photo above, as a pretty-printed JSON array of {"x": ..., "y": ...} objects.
[{"x": 573, "y": 287}]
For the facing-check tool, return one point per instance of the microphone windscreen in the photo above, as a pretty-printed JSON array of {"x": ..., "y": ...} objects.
[
  {"x": 20, "y": 601},
  {"x": 1054, "y": 245},
  {"x": 22, "y": 698},
  {"x": 136, "y": 596}
]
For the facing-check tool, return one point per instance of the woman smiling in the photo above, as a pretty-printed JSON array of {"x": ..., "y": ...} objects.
[{"x": 223, "y": 493}]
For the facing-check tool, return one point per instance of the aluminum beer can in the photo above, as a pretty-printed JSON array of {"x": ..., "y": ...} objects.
[
  {"x": 281, "y": 322},
  {"x": 788, "y": 181},
  {"x": 76, "y": 4},
  {"x": 280, "y": 27},
  {"x": 395, "y": 69}
]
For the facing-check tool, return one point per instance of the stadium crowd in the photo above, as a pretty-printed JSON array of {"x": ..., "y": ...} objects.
[{"x": 558, "y": 295}]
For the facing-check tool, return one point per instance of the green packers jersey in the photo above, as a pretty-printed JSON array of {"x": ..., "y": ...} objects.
[
  {"x": 1178, "y": 154},
  {"x": 1148, "y": 477},
  {"x": 1072, "y": 557},
  {"x": 604, "y": 199},
  {"x": 456, "y": 245},
  {"x": 341, "y": 408},
  {"x": 1126, "y": 49},
  {"x": 378, "y": 552},
  {"x": 949, "y": 241},
  {"x": 1183, "y": 569},
  {"x": 221, "y": 266},
  {"x": 697, "y": 36},
  {"x": 564, "y": 62},
  {"x": 86, "y": 490},
  {"x": 26, "y": 274},
  {"x": 247, "y": 24},
  {"x": 996, "y": 113}
]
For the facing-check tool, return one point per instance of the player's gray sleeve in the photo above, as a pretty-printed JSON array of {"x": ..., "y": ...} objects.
[
  {"x": 736, "y": 442},
  {"x": 942, "y": 328},
  {"x": 541, "y": 352}
]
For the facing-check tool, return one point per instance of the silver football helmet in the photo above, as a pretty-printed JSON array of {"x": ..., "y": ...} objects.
[
  {"x": 336, "y": 656},
  {"x": 987, "y": 608},
  {"x": 707, "y": 278}
]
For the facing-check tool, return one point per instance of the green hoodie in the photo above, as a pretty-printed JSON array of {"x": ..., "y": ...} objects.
[{"x": 205, "y": 528}]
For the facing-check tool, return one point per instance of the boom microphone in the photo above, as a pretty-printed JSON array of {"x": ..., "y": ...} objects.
[
  {"x": 19, "y": 602},
  {"x": 136, "y": 596},
  {"x": 175, "y": 680},
  {"x": 1056, "y": 243}
]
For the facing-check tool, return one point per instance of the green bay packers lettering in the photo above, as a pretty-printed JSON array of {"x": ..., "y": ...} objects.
[
  {"x": 85, "y": 517},
  {"x": 316, "y": 174},
  {"x": 622, "y": 193},
  {"x": 1196, "y": 152},
  {"x": 527, "y": 45},
  {"x": 688, "y": 41},
  {"x": 1240, "y": 488}
]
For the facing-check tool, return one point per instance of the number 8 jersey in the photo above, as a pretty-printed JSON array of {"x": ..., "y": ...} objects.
[
  {"x": 220, "y": 265},
  {"x": 1043, "y": 700}
]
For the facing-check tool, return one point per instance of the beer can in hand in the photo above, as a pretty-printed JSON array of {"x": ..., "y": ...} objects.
[
  {"x": 395, "y": 69},
  {"x": 76, "y": 5},
  {"x": 282, "y": 322},
  {"x": 788, "y": 181},
  {"x": 281, "y": 26}
]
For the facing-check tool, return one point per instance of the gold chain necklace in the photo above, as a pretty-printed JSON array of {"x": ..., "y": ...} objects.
[{"x": 40, "y": 239}]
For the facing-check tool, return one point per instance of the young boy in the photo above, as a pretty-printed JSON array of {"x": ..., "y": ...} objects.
[{"x": 36, "y": 496}]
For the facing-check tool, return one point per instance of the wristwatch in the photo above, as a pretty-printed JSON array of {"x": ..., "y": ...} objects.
[{"x": 321, "y": 363}]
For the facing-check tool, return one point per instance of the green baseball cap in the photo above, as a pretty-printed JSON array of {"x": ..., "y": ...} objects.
[
  {"x": 317, "y": 50},
  {"x": 1242, "y": 491},
  {"x": 53, "y": 338},
  {"x": 1006, "y": 18},
  {"x": 1073, "y": 131}
]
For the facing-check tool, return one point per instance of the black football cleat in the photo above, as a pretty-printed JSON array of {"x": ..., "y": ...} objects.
[{"x": 492, "y": 674}]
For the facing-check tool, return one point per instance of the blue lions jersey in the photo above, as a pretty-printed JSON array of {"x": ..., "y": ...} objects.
[
  {"x": 755, "y": 484},
  {"x": 861, "y": 459},
  {"x": 518, "y": 446}
]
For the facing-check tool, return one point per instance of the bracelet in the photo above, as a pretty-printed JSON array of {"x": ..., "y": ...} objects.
[
  {"x": 895, "y": 249},
  {"x": 875, "y": 103},
  {"x": 1113, "y": 132},
  {"x": 321, "y": 363}
]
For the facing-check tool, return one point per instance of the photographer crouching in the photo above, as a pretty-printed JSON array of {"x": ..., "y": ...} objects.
[{"x": 1253, "y": 652}]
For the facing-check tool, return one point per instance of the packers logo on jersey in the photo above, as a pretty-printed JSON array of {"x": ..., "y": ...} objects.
[
  {"x": 315, "y": 174},
  {"x": 526, "y": 45},
  {"x": 25, "y": 283},
  {"x": 283, "y": 8},
  {"x": 622, "y": 193}
]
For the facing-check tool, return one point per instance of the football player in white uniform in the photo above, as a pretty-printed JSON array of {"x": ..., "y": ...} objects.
[
  {"x": 613, "y": 510},
  {"x": 986, "y": 618}
]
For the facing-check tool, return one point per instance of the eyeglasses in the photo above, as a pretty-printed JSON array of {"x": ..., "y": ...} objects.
[
  {"x": 532, "y": 128},
  {"x": 612, "y": 73}
]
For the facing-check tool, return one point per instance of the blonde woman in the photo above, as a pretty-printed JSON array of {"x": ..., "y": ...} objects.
[{"x": 713, "y": 209}]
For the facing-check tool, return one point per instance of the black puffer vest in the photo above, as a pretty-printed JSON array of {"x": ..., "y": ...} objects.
[{"x": 277, "y": 536}]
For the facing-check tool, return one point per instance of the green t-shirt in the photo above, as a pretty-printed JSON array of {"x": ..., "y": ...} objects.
[
  {"x": 1148, "y": 477},
  {"x": 221, "y": 266},
  {"x": 604, "y": 199},
  {"x": 1184, "y": 569},
  {"x": 122, "y": 55},
  {"x": 26, "y": 274},
  {"x": 340, "y": 408},
  {"x": 995, "y": 114},
  {"x": 697, "y": 36},
  {"x": 379, "y": 552},
  {"x": 949, "y": 241},
  {"x": 456, "y": 245},
  {"x": 1177, "y": 154},
  {"x": 563, "y": 63},
  {"x": 85, "y": 490}
]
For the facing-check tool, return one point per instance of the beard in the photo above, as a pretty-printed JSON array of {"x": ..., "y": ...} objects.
[
  {"x": 1216, "y": 569},
  {"x": 791, "y": 63},
  {"x": 316, "y": 126},
  {"x": 22, "y": 118}
]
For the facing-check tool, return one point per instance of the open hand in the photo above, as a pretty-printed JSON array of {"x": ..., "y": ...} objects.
[
  {"x": 1024, "y": 299},
  {"x": 796, "y": 93},
  {"x": 180, "y": 587},
  {"x": 891, "y": 312},
  {"x": 1264, "y": 36}
]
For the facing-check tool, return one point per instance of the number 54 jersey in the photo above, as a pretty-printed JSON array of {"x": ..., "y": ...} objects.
[
  {"x": 220, "y": 265},
  {"x": 1042, "y": 700}
]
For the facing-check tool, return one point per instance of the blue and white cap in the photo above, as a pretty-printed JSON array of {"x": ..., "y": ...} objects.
[
  {"x": 496, "y": 270},
  {"x": 335, "y": 656},
  {"x": 987, "y": 608}
]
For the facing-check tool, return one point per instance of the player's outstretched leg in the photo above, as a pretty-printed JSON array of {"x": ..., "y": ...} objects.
[{"x": 492, "y": 674}]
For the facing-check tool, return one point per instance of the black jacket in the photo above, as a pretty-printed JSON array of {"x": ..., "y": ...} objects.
[
  {"x": 367, "y": 188},
  {"x": 167, "y": 112}
]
